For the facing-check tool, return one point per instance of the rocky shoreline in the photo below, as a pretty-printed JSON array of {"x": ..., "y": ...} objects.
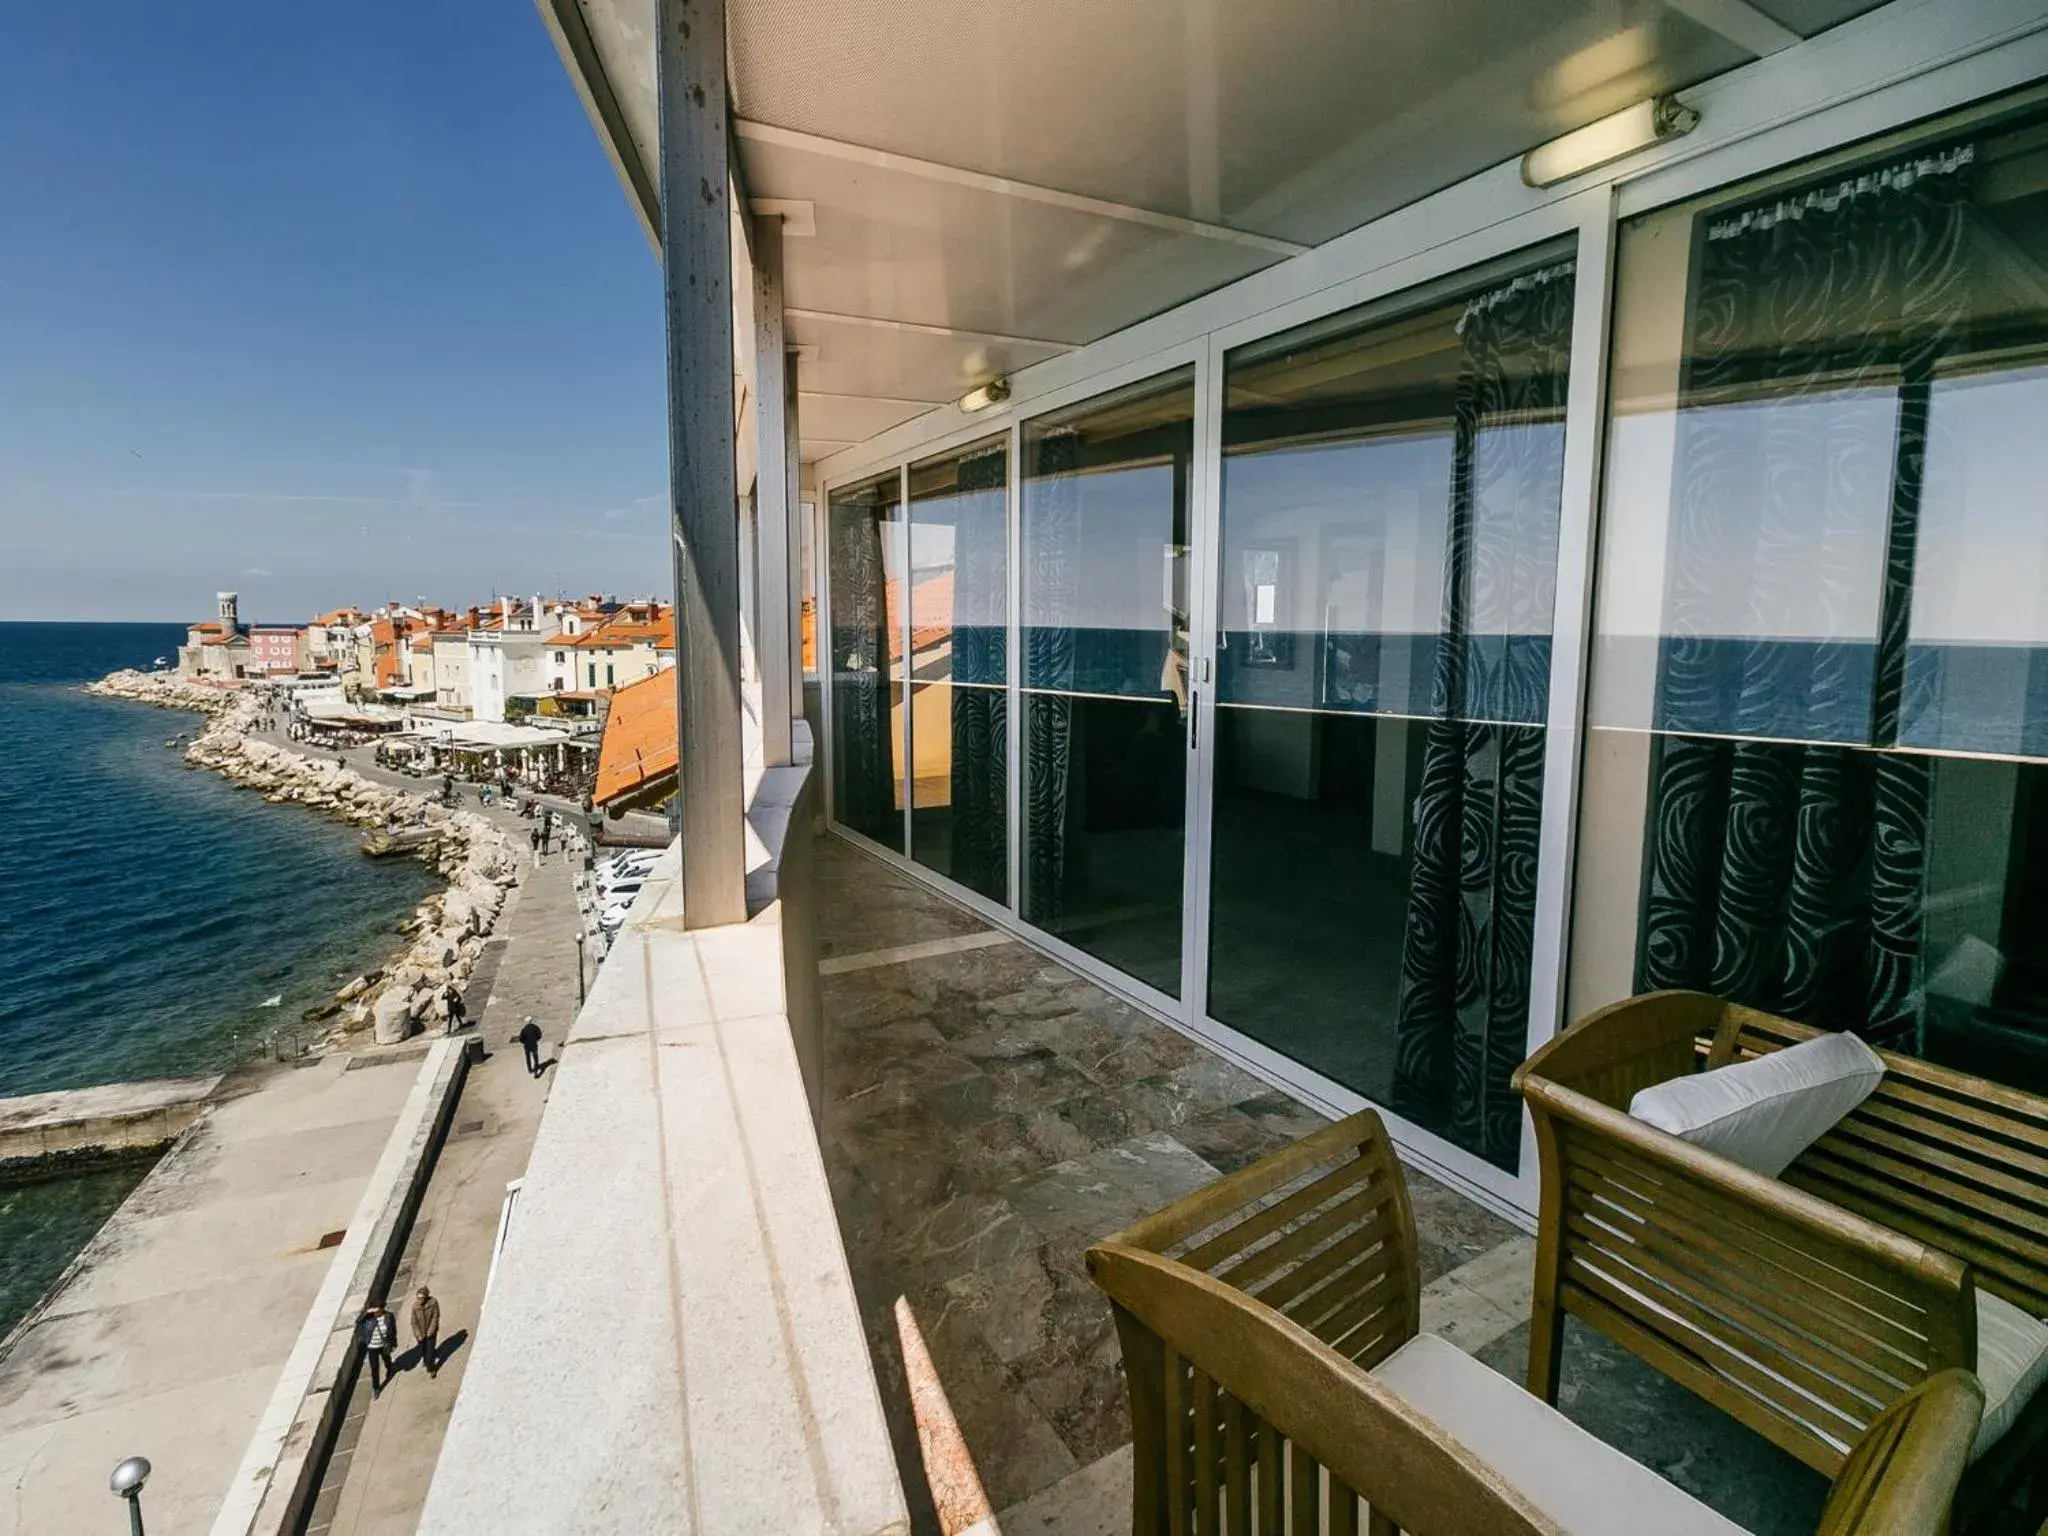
[{"x": 445, "y": 933}]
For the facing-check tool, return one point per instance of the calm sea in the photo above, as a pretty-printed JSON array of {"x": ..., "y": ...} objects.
[{"x": 147, "y": 910}]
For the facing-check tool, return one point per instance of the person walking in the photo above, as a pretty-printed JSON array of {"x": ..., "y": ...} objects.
[
  {"x": 533, "y": 837},
  {"x": 458, "y": 1015},
  {"x": 426, "y": 1329},
  {"x": 377, "y": 1332},
  {"x": 547, "y": 827},
  {"x": 529, "y": 1041}
]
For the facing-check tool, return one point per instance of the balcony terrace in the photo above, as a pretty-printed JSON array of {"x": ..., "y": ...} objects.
[{"x": 990, "y": 1113}]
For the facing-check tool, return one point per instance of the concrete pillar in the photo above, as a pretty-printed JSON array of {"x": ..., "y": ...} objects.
[
  {"x": 697, "y": 267},
  {"x": 774, "y": 492}
]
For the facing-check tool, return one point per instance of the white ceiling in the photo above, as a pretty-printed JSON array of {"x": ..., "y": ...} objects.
[{"x": 994, "y": 181}]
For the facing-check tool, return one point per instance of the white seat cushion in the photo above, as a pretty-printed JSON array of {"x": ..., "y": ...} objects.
[
  {"x": 1582, "y": 1483},
  {"x": 2012, "y": 1362},
  {"x": 1764, "y": 1113}
]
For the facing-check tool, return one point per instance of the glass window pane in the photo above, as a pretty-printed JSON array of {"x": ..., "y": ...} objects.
[
  {"x": 1105, "y": 505},
  {"x": 959, "y": 630},
  {"x": 866, "y": 572},
  {"x": 1820, "y": 583},
  {"x": 1391, "y": 488}
]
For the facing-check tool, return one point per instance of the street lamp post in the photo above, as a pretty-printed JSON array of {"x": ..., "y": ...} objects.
[{"x": 127, "y": 1481}]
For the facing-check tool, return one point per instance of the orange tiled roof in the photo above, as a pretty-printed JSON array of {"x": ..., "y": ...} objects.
[
  {"x": 627, "y": 628},
  {"x": 639, "y": 737}
]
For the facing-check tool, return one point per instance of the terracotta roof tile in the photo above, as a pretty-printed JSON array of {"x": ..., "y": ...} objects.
[{"x": 639, "y": 737}]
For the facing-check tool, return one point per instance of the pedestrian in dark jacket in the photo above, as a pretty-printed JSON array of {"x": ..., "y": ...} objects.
[
  {"x": 377, "y": 1332},
  {"x": 426, "y": 1329},
  {"x": 529, "y": 1040}
]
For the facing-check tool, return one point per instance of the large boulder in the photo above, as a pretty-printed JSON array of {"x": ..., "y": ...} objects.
[{"x": 392, "y": 1015}]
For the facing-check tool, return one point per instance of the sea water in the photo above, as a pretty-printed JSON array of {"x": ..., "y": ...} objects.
[{"x": 148, "y": 910}]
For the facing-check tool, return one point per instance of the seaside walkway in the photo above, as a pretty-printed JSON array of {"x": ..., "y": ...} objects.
[
  {"x": 167, "y": 1336},
  {"x": 384, "y": 1458}
]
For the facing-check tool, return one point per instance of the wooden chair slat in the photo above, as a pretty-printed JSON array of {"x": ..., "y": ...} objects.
[
  {"x": 1905, "y": 1114},
  {"x": 1819, "y": 1268},
  {"x": 1343, "y": 1509},
  {"x": 1271, "y": 1495},
  {"x": 1207, "y": 1454},
  {"x": 2006, "y": 1263},
  {"x": 1341, "y": 1144},
  {"x": 1366, "y": 1210},
  {"x": 1264, "y": 1221},
  {"x": 1750, "y": 1278},
  {"x": 1370, "y": 1325},
  {"x": 1179, "y": 1474},
  {"x": 1702, "y": 1297},
  {"x": 1652, "y": 1344},
  {"x": 1370, "y": 1244},
  {"x": 1304, "y": 1505},
  {"x": 1775, "y": 1381},
  {"x": 1975, "y": 1190},
  {"x": 1237, "y": 1467}
]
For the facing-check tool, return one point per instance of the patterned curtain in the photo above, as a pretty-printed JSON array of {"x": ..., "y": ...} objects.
[
  {"x": 866, "y": 789},
  {"x": 1789, "y": 873},
  {"x": 980, "y": 608},
  {"x": 1465, "y": 956},
  {"x": 1050, "y": 761}
]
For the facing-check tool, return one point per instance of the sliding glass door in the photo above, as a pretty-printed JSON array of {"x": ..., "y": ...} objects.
[
  {"x": 959, "y": 643},
  {"x": 1817, "y": 774},
  {"x": 1105, "y": 707},
  {"x": 1390, "y": 499},
  {"x": 868, "y": 738}
]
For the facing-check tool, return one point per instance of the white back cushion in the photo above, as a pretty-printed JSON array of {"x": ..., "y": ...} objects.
[{"x": 1764, "y": 1113}]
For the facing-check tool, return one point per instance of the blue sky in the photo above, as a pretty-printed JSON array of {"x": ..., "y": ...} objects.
[{"x": 327, "y": 304}]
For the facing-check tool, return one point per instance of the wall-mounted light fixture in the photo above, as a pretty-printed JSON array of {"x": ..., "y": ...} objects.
[
  {"x": 994, "y": 392},
  {"x": 1597, "y": 144}
]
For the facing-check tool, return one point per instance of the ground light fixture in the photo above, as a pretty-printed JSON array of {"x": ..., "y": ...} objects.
[
  {"x": 980, "y": 398},
  {"x": 1597, "y": 144},
  {"x": 127, "y": 1482}
]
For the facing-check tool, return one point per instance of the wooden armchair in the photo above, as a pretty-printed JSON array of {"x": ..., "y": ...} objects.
[
  {"x": 1803, "y": 1305},
  {"x": 1257, "y": 1410}
]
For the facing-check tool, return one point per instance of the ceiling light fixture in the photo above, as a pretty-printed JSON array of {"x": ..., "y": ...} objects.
[
  {"x": 1597, "y": 144},
  {"x": 994, "y": 392}
]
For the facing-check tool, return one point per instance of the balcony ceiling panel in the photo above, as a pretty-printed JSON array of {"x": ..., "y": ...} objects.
[
  {"x": 1294, "y": 118},
  {"x": 853, "y": 418},
  {"x": 1807, "y": 17},
  {"x": 913, "y": 248},
  {"x": 843, "y": 357}
]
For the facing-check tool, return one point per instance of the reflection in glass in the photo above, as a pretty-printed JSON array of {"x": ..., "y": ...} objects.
[
  {"x": 1105, "y": 497},
  {"x": 1822, "y": 564},
  {"x": 1977, "y": 649},
  {"x": 866, "y": 572},
  {"x": 1391, "y": 491},
  {"x": 959, "y": 605}
]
